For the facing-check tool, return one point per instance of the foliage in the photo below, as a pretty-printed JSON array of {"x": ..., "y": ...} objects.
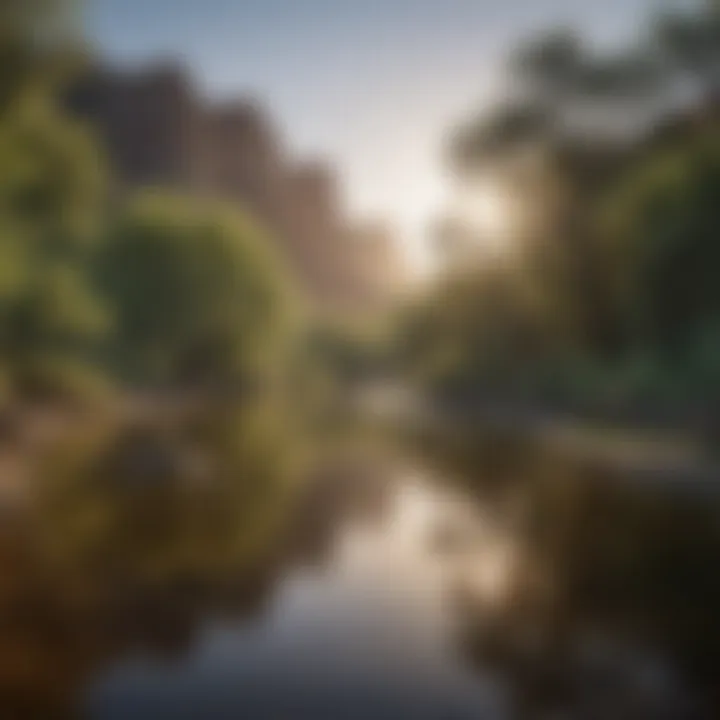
[
  {"x": 39, "y": 49},
  {"x": 51, "y": 206},
  {"x": 477, "y": 328},
  {"x": 157, "y": 502},
  {"x": 198, "y": 295},
  {"x": 691, "y": 42},
  {"x": 608, "y": 295},
  {"x": 664, "y": 221}
]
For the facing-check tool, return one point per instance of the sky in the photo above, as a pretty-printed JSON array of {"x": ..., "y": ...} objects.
[{"x": 373, "y": 85}]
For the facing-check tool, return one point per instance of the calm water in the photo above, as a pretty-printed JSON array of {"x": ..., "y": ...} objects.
[
  {"x": 370, "y": 632},
  {"x": 468, "y": 580}
]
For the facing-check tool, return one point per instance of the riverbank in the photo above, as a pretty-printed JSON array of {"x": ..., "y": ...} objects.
[{"x": 661, "y": 451}]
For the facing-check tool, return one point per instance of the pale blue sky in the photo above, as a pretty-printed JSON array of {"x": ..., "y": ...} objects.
[{"x": 373, "y": 84}]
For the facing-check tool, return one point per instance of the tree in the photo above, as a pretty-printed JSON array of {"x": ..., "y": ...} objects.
[
  {"x": 38, "y": 47},
  {"x": 51, "y": 206},
  {"x": 664, "y": 220},
  {"x": 198, "y": 294},
  {"x": 690, "y": 42},
  {"x": 477, "y": 329},
  {"x": 589, "y": 117},
  {"x": 581, "y": 127}
]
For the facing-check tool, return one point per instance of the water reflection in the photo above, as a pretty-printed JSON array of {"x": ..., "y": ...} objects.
[
  {"x": 105, "y": 560},
  {"x": 612, "y": 606},
  {"x": 370, "y": 633},
  {"x": 194, "y": 570}
]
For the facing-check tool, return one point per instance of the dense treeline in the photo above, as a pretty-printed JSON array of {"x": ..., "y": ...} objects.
[
  {"x": 161, "y": 314},
  {"x": 152, "y": 290},
  {"x": 603, "y": 294}
]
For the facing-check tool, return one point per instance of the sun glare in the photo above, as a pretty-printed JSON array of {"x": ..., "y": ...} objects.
[{"x": 486, "y": 211}]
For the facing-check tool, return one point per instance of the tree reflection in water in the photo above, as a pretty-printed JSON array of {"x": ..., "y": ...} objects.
[
  {"x": 613, "y": 612},
  {"x": 590, "y": 592},
  {"x": 134, "y": 535}
]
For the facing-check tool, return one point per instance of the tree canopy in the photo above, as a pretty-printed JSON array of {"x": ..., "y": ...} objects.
[{"x": 198, "y": 293}]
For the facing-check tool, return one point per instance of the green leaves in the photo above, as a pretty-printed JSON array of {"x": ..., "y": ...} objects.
[
  {"x": 196, "y": 290},
  {"x": 664, "y": 220},
  {"x": 52, "y": 185}
]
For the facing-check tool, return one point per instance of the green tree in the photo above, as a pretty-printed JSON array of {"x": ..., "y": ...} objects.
[
  {"x": 476, "y": 330},
  {"x": 199, "y": 295},
  {"x": 51, "y": 206},
  {"x": 690, "y": 41},
  {"x": 664, "y": 220},
  {"x": 39, "y": 46},
  {"x": 582, "y": 126}
]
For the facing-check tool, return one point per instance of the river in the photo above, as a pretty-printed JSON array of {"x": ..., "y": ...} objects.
[
  {"x": 489, "y": 581},
  {"x": 369, "y": 632}
]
